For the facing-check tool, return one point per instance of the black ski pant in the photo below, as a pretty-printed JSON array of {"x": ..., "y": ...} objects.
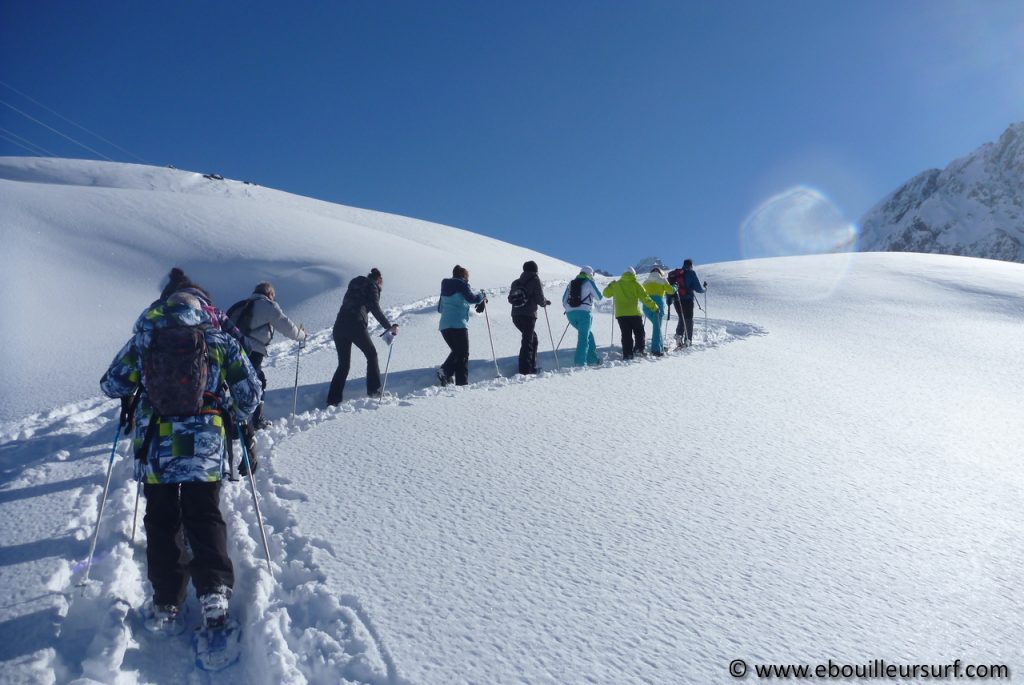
[
  {"x": 632, "y": 329},
  {"x": 457, "y": 363},
  {"x": 347, "y": 334},
  {"x": 528, "y": 347},
  {"x": 256, "y": 358},
  {"x": 680, "y": 325},
  {"x": 686, "y": 319},
  {"x": 174, "y": 511}
]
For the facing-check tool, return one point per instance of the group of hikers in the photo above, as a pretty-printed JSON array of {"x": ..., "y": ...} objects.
[
  {"x": 526, "y": 295},
  {"x": 190, "y": 381}
]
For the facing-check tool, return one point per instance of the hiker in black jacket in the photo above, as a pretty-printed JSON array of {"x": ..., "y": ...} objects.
[
  {"x": 525, "y": 295},
  {"x": 361, "y": 298}
]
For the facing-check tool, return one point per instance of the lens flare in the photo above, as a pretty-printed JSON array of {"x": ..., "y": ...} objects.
[{"x": 800, "y": 221}]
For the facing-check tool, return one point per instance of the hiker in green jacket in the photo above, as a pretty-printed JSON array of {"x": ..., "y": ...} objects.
[{"x": 628, "y": 294}]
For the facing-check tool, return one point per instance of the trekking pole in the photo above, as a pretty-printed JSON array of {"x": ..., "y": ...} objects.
[
  {"x": 255, "y": 499},
  {"x": 611, "y": 340},
  {"x": 668, "y": 317},
  {"x": 387, "y": 365},
  {"x": 559, "y": 346},
  {"x": 552, "y": 338},
  {"x": 135, "y": 516},
  {"x": 705, "y": 312},
  {"x": 298, "y": 352},
  {"x": 103, "y": 501},
  {"x": 487, "y": 318}
]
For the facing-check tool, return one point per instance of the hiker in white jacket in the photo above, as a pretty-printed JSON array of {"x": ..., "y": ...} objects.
[
  {"x": 258, "y": 318},
  {"x": 578, "y": 301}
]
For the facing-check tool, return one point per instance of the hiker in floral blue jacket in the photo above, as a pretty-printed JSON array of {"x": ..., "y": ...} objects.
[{"x": 180, "y": 459}]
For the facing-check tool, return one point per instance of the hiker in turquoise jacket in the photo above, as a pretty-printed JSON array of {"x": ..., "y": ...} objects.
[
  {"x": 581, "y": 317},
  {"x": 628, "y": 294},
  {"x": 657, "y": 287},
  {"x": 456, "y": 298}
]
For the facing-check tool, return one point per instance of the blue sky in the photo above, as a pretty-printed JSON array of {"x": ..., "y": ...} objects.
[{"x": 598, "y": 132}]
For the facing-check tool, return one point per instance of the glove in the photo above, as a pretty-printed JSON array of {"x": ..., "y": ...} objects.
[
  {"x": 547, "y": 303},
  {"x": 127, "y": 420},
  {"x": 480, "y": 307},
  {"x": 388, "y": 336},
  {"x": 305, "y": 335},
  {"x": 705, "y": 284}
]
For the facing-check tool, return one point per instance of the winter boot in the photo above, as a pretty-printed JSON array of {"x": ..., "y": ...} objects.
[
  {"x": 215, "y": 606},
  {"x": 163, "y": 619}
]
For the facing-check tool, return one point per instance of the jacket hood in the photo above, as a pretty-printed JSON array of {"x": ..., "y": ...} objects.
[
  {"x": 655, "y": 277},
  {"x": 628, "y": 275},
  {"x": 166, "y": 315}
]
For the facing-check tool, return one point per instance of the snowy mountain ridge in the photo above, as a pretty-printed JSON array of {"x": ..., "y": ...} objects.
[
  {"x": 105, "y": 233},
  {"x": 974, "y": 207}
]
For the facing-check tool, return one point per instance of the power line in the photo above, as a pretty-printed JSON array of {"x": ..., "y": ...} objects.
[
  {"x": 73, "y": 123},
  {"x": 25, "y": 141},
  {"x": 63, "y": 135},
  {"x": 14, "y": 142}
]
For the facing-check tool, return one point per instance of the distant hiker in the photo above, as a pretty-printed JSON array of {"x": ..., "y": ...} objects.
[
  {"x": 657, "y": 287},
  {"x": 187, "y": 368},
  {"x": 578, "y": 301},
  {"x": 177, "y": 281},
  {"x": 456, "y": 297},
  {"x": 686, "y": 284},
  {"x": 257, "y": 317},
  {"x": 525, "y": 295},
  {"x": 361, "y": 298},
  {"x": 628, "y": 293}
]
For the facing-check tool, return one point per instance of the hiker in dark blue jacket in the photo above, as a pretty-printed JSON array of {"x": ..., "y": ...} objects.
[
  {"x": 525, "y": 295},
  {"x": 686, "y": 283},
  {"x": 456, "y": 297}
]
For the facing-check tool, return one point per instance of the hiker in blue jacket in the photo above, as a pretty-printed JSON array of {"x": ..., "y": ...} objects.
[
  {"x": 686, "y": 284},
  {"x": 456, "y": 298}
]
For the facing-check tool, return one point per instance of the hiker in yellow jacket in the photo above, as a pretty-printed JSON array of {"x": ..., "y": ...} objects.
[
  {"x": 657, "y": 287},
  {"x": 628, "y": 294}
]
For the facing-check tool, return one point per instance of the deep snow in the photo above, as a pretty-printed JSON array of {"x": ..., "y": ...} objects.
[{"x": 833, "y": 473}]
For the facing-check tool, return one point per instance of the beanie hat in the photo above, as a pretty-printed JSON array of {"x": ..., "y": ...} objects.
[
  {"x": 530, "y": 266},
  {"x": 588, "y": 270},
  {"x": 687, "y": 263}
]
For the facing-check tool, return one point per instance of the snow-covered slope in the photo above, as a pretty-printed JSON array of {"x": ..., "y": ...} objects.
[
  {"x": 832, "y": 472},
  {"x": 86, "y": 244},
  {"x": 973, "y": 207}
]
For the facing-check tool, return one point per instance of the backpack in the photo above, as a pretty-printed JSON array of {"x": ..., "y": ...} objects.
[
  {"x": 517, "y": 296},
  {"x": 241, "y": 314},
  {"x": 575, "y": 292},
  {"x": 678, "y": 278},
  {"x": 176, "y": 370}
]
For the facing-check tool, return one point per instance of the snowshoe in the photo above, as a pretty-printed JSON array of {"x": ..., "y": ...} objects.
[
  {"x": 163, "y": 619},
  {"x": 217, "y": 646}
]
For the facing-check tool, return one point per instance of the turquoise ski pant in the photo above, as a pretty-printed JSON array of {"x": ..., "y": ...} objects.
[
  {"x": 656, "y": 318},
  {"x": 586, "y": 348}
]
